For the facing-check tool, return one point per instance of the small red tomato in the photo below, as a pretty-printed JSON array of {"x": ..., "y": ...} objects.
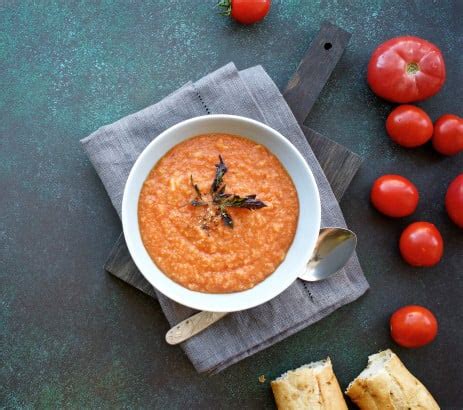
[
  {"x": 448, "y": 134},
  {"x": 409, "y": 126},
  {"x": 394, "y": 195},
  {"x": 413, "y": 326},
  {"x": 246, "y": 11},
  {"x": 421, "y": 244},
  {"x": 406, "y": 69},
  {"x": 454, "y": 200}
]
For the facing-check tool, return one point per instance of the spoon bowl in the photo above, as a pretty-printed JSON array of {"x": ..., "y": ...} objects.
[{"x": 334, "y": 248}]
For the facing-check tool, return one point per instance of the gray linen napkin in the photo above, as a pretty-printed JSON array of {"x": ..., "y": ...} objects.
[{"x": 251, "y": 93}]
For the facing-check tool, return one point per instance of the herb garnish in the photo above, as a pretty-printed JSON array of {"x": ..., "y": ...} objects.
[
  {"x": 220, "y": 200},
  {"x": 220, "y": 170},
  {"x": 198, "y": 201}
]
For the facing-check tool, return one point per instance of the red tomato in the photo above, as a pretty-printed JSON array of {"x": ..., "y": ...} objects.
[
  {"x": 448, "y": 134},
  {"x": 406, "y": 69},
  {"x": 409, "y": 126},
  {"x": 246, "y": 11},
  {"x": 421, "y": 244},
  {"x": 413, "y": 326},
  {"x": 394, "y": 195},
  {"x": 454, "y": 200}
]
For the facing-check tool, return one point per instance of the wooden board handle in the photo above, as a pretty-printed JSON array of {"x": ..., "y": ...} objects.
[{"x": 314, "y": 69}]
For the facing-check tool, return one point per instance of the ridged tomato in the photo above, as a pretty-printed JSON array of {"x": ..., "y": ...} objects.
[{"x": 406, "y": 69}]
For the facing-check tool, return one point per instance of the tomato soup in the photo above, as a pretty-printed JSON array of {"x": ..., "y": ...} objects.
[{"x": 202, "y": 236}]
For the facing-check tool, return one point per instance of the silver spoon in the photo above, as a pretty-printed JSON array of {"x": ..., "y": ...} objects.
[{"x": 332, "y": 251}]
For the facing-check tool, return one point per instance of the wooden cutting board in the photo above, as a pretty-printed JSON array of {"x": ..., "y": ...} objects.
[{"x": 339, "y": 164}]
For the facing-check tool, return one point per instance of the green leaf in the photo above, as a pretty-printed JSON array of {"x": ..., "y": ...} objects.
[{"x": 226, "y": 7}]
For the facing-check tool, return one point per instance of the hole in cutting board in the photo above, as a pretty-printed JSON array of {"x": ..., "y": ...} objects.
[{"x": 327, "y": 46}]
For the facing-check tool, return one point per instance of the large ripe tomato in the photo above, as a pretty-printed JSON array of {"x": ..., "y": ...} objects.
[
  {"x": 246, "y": 11},
  {"x": 409, "y": 126},
  {"x": 413, "y": 326},
  {"x": 421, "y": 244},
  {"x": 454, "y": 200},
  {"x": 394, "y": 195},
  {"x": 406, "y": 69},
  {"x": 448, "y": 134}
]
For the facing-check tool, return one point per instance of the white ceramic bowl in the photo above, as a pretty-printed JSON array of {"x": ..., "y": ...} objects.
[{"x": 307, "y": 228}]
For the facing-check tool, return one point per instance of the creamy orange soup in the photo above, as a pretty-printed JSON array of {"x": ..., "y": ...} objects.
[{"x": 213, "y": 257}]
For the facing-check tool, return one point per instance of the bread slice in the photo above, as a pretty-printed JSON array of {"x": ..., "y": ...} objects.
[
  {"x": 313, "y": 386},
  {"x": 387, "y": 384}
]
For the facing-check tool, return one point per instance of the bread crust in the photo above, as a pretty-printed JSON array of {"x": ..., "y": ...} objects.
[
  {"x": 391, "y": 387},
  {"x": 314, "y": 388}
]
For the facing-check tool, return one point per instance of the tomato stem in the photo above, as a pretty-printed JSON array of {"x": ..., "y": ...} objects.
[
  {"x": 226, "y": 7},
  {"x": 412, "y": 68}
]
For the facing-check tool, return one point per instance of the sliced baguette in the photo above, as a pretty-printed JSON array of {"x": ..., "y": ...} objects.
[
  {"x": 387, "y": 384},
  {"x": 313, "y": 386}
]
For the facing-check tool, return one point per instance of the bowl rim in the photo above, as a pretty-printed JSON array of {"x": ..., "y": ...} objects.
[{"x": 206, "y": 302}]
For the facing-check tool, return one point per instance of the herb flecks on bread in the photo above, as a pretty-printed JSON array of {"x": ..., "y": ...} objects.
[
  {"x": 313, "y": 386},
  {"x": 387, "y": 384}
]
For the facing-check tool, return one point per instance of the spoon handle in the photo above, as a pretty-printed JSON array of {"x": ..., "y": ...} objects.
[{"x": 192, "y": 326}]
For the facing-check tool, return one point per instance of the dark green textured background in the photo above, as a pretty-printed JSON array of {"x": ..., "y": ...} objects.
[{"x": 73, "y": 336}]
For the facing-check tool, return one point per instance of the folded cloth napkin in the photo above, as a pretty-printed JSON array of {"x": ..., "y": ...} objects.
[{"x": 250, "y": 93}]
